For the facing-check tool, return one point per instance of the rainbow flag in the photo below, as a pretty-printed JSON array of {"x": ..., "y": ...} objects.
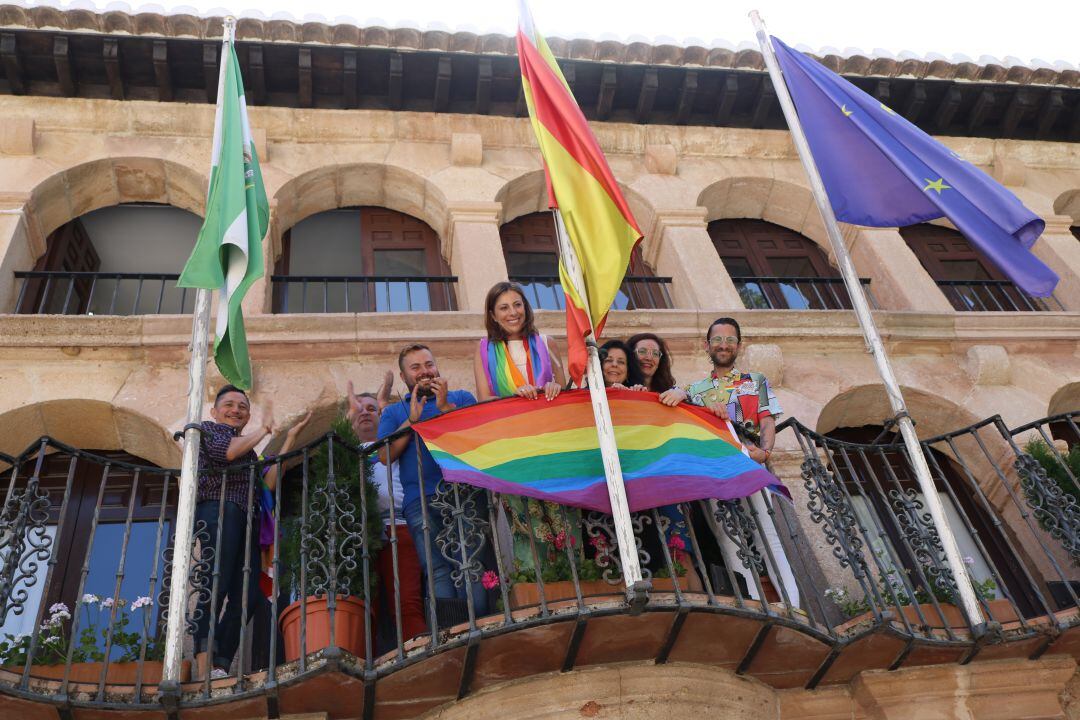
[
  {"x": 599, "y": 224},
  {"x": 549, "y": 451}
]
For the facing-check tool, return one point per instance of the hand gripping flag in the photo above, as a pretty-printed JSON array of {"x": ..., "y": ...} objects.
[
  {"x": 601, "y": 229},
  {"x": 550, "y": 451},
  {"x": 882, "y": 171},
  {"x": 228, "y": 252}
]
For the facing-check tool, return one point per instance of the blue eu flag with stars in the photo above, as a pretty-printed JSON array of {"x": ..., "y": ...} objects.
[{"x": 882, "y": 171}]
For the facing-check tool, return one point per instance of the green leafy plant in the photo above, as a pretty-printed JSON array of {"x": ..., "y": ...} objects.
[
  {"x": 1057, "y": 470},
  {"x": 353, "y": 473},
  {"x": 54, "y": 640}
]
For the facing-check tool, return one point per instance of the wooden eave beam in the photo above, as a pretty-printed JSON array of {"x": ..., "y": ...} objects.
[
  {"x": 303, "y": 83},
  {"x": 12, "y": 65},
  {"x": 396, "y": 85},
  {"x": 606, "y": 97},
  {"x": 257, "y": 73},
  {"x": 1019, "y": 104},
  {"x": 687, "y": 95},
  {"x": 162, "y": 73},
  {"x": 1074, "y": 125},
  {"x": 348, "y": 81},
  {"x": 916, "y": 101},
  {"x": 980, "y": 111},
  {"x": 765, "y": 101},
  {"x": 62, "y": 60},
  {"x": 484, "y": 77},
  {"x": 946, "y": 110},
  {"x": 111, "y": 55},
  {"x": 210, "y": 70},
  {"x": 442, "y": 84},
  {"x": 647, "y": 99},
  {"x": 729, "y": 92},
  {"x": 882, "y": 92},
  {"x": 1050, "y": 112}
]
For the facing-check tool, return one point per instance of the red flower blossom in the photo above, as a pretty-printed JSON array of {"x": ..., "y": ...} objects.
[{"x": 490, "y": 580}]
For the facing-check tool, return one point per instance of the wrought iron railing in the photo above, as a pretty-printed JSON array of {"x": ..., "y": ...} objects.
[
  {"x": 362, "y": 293},
  {"x": 761, "y": 292},
  {"x": 340, "y": 590},
  {"x": 994, "y": 296},
  {"x": 48, "y": 292},
  {"x": 638, "y": 292}
]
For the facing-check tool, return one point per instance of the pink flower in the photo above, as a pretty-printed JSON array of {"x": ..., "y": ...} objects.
[
  {"x": 676, "y": 543},
  {"x": 598, "y": 542},
  {"x": 490, "y": 580},
  {"x": 560, "y": 540}
]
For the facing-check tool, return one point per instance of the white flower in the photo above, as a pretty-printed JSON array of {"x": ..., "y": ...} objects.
[
  {"x": 968, "y": 560},
  {"x": 141, "y": 602},
  {"x": 90, "y": 598},
  {"x": 107, "y": 602},
  {"x": 52, "y": 639},
  {"x": 58, "y": 608}
]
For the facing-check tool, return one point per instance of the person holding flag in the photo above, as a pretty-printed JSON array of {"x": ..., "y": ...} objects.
[{"x": 227, "y": 257}]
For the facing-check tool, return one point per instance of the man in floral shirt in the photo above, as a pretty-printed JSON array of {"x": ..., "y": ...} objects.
[{"x": 745, "y": 398}]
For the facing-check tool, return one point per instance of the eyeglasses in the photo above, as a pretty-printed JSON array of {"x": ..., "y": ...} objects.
[
  {"x": 723, "y": 340},
  {"x": 646, "y": 352}
]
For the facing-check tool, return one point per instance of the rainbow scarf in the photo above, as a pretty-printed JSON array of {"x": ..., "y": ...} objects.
[
  {"x": 503, "y": 376},
  {"x": 549, "y": 451}
]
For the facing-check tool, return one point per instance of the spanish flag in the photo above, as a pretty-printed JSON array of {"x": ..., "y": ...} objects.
[{"x": 599, "y": 225}]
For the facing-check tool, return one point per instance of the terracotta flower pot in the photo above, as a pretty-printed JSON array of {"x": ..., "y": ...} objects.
[
  {"x": 1001, "y": 608},
  {"x": 349, "y": 631},
  {"x": 528, "y": 594},
  {"x": 123, "y": 673}
]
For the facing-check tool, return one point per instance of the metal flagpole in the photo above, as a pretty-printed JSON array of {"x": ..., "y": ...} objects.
[
  {"x": 636, "y": 587},
  {"x": 873, "y": 339},
  {"x": 185, "y": 508}
]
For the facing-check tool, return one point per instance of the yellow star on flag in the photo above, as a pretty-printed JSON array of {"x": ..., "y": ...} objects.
[
  {"x": 937, "y": 185},
  {"x": 847, "y": 113},
  {"x": 887, "y": 109}
]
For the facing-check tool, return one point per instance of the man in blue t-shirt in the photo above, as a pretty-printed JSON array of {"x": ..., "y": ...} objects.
[{"x": 428, "y": 396}]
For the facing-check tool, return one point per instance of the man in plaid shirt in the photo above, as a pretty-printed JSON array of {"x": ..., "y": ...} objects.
[{"x": 224, "y": 458}]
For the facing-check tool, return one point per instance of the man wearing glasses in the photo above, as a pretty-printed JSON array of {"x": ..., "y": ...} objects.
[{"x": 745, "y": 398}]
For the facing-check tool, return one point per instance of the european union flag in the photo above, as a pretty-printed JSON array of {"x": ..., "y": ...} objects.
[{"x": 882, "y": 171}]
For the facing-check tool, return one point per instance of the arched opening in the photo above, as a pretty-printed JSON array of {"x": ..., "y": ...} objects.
[
  {"x": 967, "y": 277},
  {"x": 361, "y": 259},
  {"x": 889, "y": 503},
  {"x": 531, "y": 251},
  {"x": 777, "y": 268},
  {"x": 118, "y": 260}
]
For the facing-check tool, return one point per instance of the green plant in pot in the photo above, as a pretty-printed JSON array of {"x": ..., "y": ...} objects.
[{"x": 342, "y": 517}]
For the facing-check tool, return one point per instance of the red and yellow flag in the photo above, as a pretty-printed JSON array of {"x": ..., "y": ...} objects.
[{"x": 598, "y": 221}]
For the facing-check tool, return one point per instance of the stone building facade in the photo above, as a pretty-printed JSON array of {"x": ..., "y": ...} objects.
[{"x": 112, "y": 382}]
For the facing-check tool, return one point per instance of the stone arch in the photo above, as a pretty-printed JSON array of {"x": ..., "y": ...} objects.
[
  {"x": 1068, "y": 203},
  {"x": 527, "y": 193},
  {"x": 75, "y": 191},
  {"x": 1066, "y": 399},
  {"x": 357, "y": 184},
  {"x": 781, "y": 202},
  {"x": 89, "y": 424},
  {"x": 869, "y": 405}
]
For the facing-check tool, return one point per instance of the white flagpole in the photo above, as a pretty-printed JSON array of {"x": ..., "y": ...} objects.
[
  {"x": 969, "y": 602},
  {"x": 636, "y": 588},
  {"x": 185, "y": 508}
]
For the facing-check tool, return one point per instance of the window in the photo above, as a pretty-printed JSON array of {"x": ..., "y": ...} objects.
[
  {"x": 107, "y": 507},
  {"x": 875, "y": 478},
  {"x": 119, "y": 260},
  {"x": 966, "y": 277},
  {"x": 365, "y": 259},
  {"x": 531, "y": 250},
  {"x": 773, "y": 267}
]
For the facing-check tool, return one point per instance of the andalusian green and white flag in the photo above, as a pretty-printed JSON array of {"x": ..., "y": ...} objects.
[{"x": 228, "y": 254}]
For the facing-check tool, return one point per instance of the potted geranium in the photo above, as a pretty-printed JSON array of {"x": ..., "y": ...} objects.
[
  {"x": 311, "y": 539},
  {"x": 128, "y": 644}
]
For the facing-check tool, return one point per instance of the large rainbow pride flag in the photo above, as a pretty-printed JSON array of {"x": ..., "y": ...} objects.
[{"x": 549, "y": 451}]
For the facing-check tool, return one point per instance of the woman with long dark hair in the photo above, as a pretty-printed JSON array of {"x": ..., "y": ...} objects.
[
  {"x": 620, "y": 366},
  {"x": 653, "y": 358}
]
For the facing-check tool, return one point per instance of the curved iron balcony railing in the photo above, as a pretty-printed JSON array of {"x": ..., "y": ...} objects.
[
  {"x": 761, "y": 292},
  {"x": 994, "y": 295},
  {"x": 740, "y": 584}
]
